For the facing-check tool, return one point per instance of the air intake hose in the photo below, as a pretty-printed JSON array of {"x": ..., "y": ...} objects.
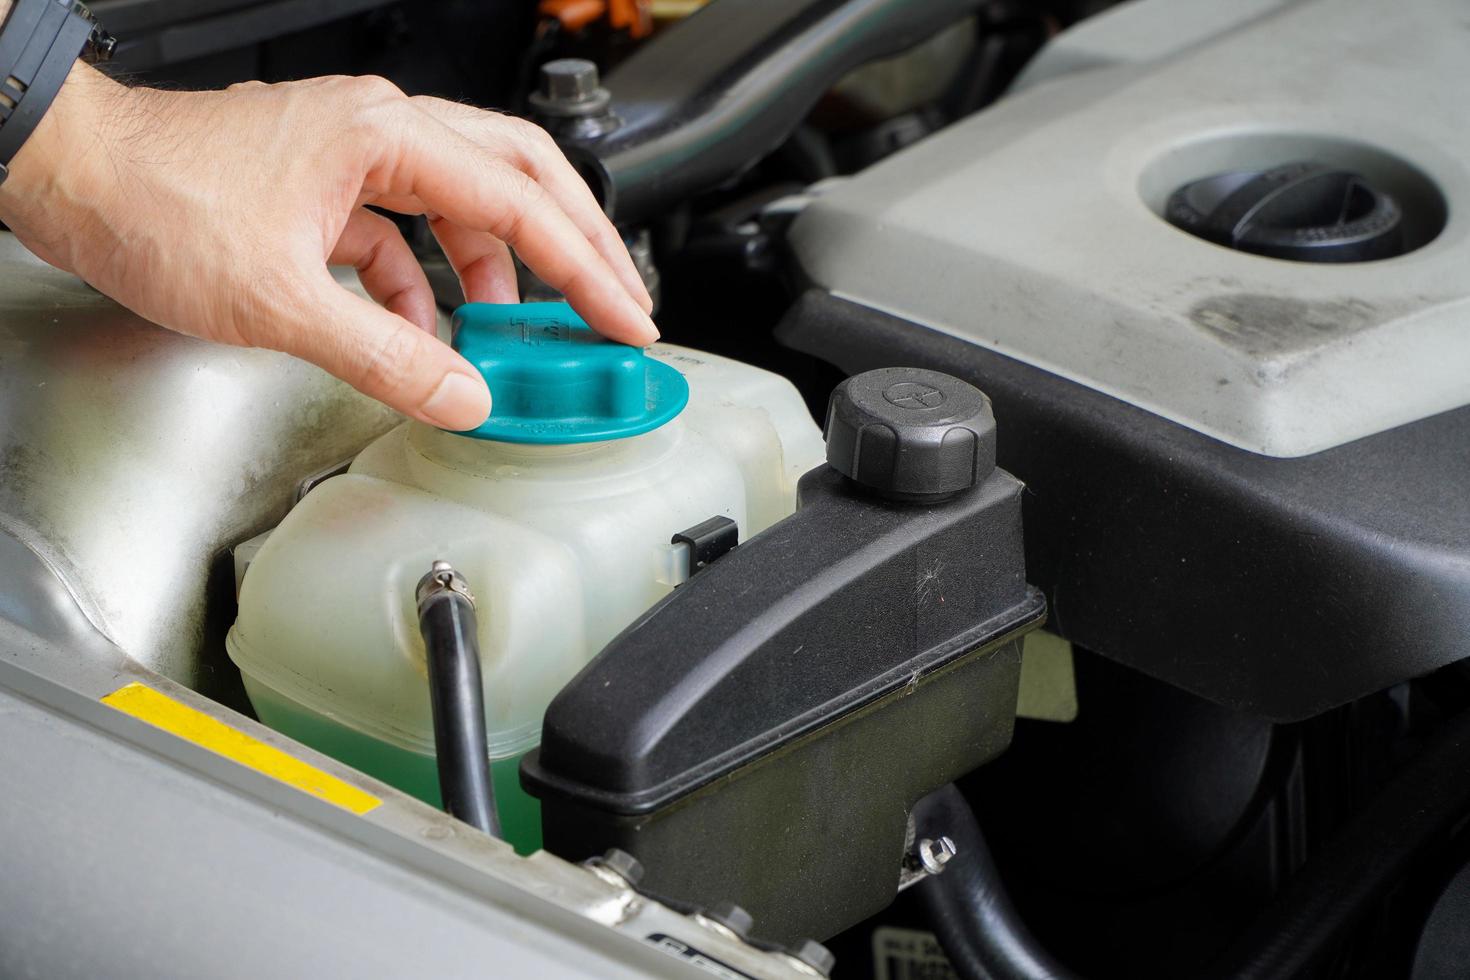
[{"x": 701, "y": 103}]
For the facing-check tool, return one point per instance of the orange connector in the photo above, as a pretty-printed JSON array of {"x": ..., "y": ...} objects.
[{"x": 633, "y": 16}]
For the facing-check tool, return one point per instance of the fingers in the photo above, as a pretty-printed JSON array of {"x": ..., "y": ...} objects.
[
  {"x": 387, "y": 357},
  {"x": 483, "y": 263},
  {"x": 386, "y": 266},
  {"x": 453, "y": 179},
  {"x": 532, "y": 150}
]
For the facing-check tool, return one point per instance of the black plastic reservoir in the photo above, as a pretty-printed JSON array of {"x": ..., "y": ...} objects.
[{"x": 761, "y": 735}]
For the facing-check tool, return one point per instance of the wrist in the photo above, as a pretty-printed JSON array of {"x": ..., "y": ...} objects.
[
  {"x": 50, "y": 100},
  {"x": 64, "y": 143}
]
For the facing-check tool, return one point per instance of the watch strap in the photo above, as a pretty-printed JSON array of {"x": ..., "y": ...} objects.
[{"x": 38, "y": 44}]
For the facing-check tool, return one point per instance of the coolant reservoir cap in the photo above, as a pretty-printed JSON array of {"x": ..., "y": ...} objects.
[{"x": 553, "y": 380}]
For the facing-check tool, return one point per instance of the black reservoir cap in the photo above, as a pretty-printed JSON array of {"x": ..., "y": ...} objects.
[{"x": 910, "y": 434}]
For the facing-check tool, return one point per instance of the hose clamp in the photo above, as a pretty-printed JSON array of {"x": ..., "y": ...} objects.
[{"x": 442, "y": 581}]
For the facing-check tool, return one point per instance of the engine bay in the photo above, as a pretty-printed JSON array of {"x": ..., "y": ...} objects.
[{"x": 1038, "y": 547}]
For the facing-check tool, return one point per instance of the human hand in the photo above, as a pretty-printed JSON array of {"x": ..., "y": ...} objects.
[{"x": 216, "y": 214}]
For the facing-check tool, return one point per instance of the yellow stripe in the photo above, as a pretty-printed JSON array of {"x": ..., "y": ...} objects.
[{"x": 191, "y": 725}]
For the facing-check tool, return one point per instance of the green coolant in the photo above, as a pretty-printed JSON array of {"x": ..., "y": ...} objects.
[{"x": 415, "y": 774}]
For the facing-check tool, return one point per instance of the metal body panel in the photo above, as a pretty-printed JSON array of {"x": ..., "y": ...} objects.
[
  {"x": 132, "y": 458},
  {"x": 1034, "y": 228}
]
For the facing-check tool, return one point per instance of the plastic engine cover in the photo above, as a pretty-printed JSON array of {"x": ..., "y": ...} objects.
[{"x": 1037, "y": 228}]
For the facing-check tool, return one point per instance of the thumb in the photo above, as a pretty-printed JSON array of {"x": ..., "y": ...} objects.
[{"x": 383, "y": 355}]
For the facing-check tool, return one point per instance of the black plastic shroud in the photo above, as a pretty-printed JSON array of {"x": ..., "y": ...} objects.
[{"x": 1277, "y": 587}]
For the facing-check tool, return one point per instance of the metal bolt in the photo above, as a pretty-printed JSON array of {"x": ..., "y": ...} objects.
[
  {"x": 813, "y": 955},
  {"x": 935, "y": 854},
  {"x": 569, "y": 80},
  {"x": 732, "y": 917},
  {"x": 570, "y": 101},
  {"x": 616, "y": 867},
  {"x": 624, "y": 865}
]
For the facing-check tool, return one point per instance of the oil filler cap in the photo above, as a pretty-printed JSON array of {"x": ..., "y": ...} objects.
[
  {"x": 553, "y": 380},
  {"x": 910, "y": 434},
  {"x": 1304, "y": 211}
]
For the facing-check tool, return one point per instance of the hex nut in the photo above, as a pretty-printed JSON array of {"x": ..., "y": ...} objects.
[
  {"x": 814, "y": 955},
  {"x": 732, "y": 917},
  {"x": 624, "y": 865}
]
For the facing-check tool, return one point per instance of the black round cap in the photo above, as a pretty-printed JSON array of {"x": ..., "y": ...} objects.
[
  {"x": 1305, "y": 211},
  {"x": 910, "y": 434}
]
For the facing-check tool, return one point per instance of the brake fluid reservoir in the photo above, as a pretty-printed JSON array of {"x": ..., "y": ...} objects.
[{"x": 559, "y": 511}]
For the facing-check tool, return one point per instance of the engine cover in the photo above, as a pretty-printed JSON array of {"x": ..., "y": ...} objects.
[{"x": 1035, "y": 228}]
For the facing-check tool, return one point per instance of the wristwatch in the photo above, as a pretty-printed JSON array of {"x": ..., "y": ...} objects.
[{"x": 38, "y": 43}]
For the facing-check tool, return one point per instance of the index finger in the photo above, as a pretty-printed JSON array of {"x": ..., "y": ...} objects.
[
  {"x": 532, "y": 150},
  {"x": 468, "y": 186}
]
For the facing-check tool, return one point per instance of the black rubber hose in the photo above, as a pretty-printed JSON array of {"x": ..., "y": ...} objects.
[
  {"x": 969, "y": 910},
  {"x": 1340, "y": 885},
  {"x": 447, "y": 622}
]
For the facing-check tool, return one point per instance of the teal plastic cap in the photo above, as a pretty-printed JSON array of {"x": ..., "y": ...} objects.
[{"x": 553, "y": 380}]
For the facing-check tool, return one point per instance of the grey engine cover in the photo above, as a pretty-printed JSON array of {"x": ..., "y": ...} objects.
[{"x": 1033, "y": 228}]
